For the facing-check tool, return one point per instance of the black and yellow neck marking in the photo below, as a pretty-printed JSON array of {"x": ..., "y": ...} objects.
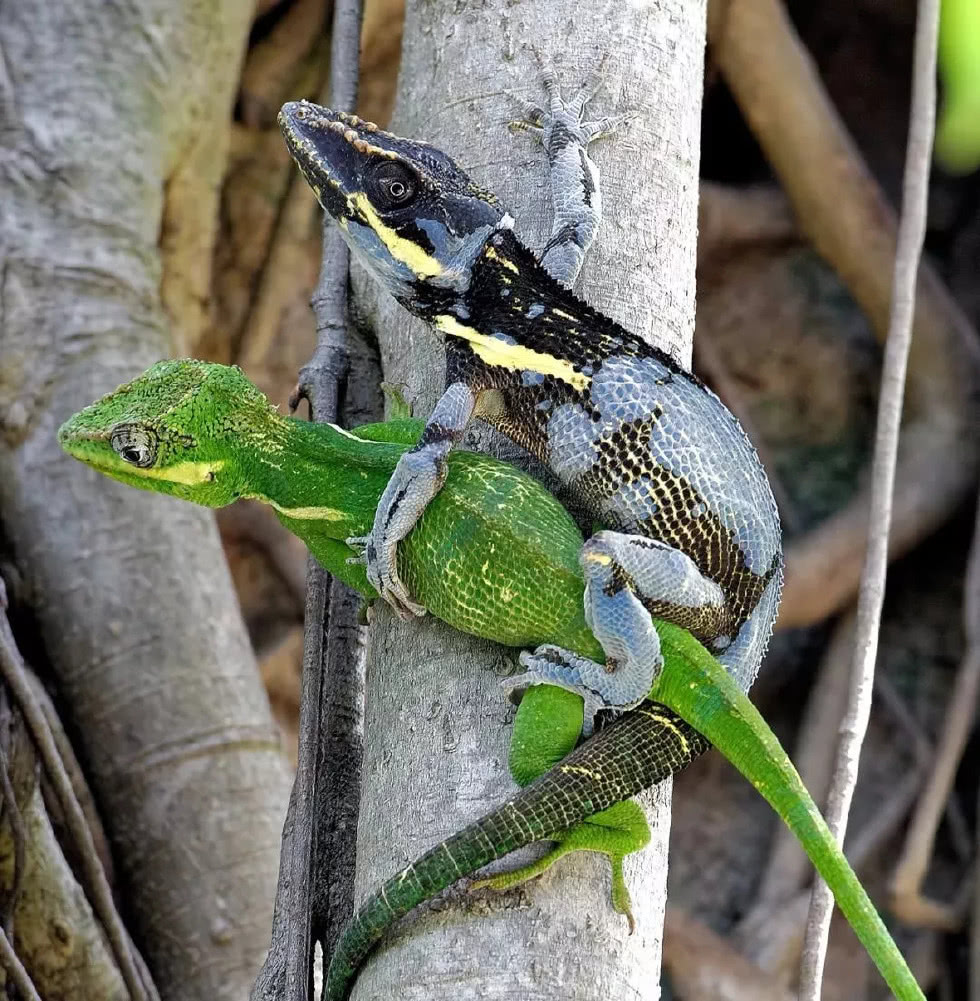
[
  {"x": 504, "y": 354},
  {"x": 517, "y": 319}
]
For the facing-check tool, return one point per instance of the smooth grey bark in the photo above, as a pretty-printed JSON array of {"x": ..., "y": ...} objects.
[
  {"x": 437, "y": 724},
  {"x": 111, "y": 114}
]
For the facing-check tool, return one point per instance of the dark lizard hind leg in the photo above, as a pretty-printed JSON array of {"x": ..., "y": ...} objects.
[{"x": 626, "y": 578}]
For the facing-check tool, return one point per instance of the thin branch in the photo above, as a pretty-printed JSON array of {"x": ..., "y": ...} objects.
[
  {"x": 14, "y": 969},
  {"x": 287, "y": 973},
  {"x": 340, "y": 744},
  {"x": 911, "y": 233},
  {"x": 16, "y": 820},
  {"x": 341, "y": 753},
  {"x": 78, "y": 781},
  {"x": 14, "y": 675},
  {"x": 320, "y": 379}
]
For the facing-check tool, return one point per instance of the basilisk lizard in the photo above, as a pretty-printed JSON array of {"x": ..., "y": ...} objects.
[
  {"x": 645, "y": 448},
  {"x": 495, "y": 555}
]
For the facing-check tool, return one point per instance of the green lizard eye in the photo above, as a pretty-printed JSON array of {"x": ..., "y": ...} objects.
[
  {"x": 136, "y": 445},
  {"x": 392, "y": 185}
]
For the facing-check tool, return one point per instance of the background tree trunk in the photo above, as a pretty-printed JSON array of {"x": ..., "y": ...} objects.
[
  {"x": 437, "y": 724},
  {"x": 114, "y": 137}
]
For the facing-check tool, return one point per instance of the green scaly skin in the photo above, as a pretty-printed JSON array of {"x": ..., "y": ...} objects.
[{"x": 204, "y": 433}]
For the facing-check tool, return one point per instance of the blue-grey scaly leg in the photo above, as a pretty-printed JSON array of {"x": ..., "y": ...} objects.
[
  {"x": 627, "y": 579},
  {"x": 417, "y": 478},
  {"x": 574, "y": 176}
]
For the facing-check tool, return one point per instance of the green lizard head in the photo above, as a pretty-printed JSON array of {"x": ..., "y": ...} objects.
[
  {"x": 186, "y": 428},
  {"x": 408, "y": 212}
]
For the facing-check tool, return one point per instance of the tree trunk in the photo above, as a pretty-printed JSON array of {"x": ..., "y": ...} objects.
[
  {"x": 113, "y": 140},
  {"x": 437, "y": 724}
]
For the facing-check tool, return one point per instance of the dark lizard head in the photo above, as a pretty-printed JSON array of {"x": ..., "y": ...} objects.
[{"x": 409, "y": 213}]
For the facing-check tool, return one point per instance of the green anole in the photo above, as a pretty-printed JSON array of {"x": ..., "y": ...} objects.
[{"x": 204, "y": 433}]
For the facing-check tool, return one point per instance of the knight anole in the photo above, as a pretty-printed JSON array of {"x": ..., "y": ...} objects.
[{"x": 203, "y": 433}]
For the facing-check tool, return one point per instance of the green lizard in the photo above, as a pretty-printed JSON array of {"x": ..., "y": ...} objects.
[{"x": 495, "y": 555}]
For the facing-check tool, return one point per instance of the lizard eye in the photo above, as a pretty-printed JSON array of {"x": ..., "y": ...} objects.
[
  {"x": 393, "y": 185},
  {"x": 134, "y": 444}
]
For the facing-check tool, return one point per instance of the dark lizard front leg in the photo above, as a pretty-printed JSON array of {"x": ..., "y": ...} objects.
[
  {"x": 627, "y": 578},
  {"x": 417, "y": 478},
  {"x": 575, "y": 192}
]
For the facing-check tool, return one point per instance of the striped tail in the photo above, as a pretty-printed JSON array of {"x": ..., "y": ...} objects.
[{"x": 644, "y": 746}]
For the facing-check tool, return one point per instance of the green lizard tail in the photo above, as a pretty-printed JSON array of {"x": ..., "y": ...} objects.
[
  {"x": 696, "y": 686},
  {"x": 618, "y": 762}
]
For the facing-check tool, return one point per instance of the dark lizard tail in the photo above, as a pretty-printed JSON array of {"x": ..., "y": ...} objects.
[{"x": 642, "y": 747}]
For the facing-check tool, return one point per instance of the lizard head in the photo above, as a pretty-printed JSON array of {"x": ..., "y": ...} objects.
[
  {"x": 406, "y": 210},
  {"x": 184, "y": 428}
]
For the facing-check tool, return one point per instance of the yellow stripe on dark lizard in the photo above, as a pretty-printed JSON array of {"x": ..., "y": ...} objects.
[{"x": 514, "y": 357}]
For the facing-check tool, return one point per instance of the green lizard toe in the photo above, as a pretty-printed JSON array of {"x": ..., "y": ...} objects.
[{"x": 615, "y": 833}]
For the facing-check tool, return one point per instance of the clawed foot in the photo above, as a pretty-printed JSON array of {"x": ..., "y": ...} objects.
[
  {"x": 575, "y": 191},
  {"x": 551, "y": 665},
  {"x": 563, "y": 121},
  {"x": 382, "y": 573},
  {"x": 615, "y": 833}
]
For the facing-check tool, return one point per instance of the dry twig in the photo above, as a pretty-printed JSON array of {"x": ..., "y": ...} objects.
[
  {"x": 78, "y": 781},
  {"x": 911, "y": 234},
  {"x": 14, "y": 969},
  {"x": 12, "y": 668},
  {"x": 13, "y": 817},
  {"x": 924, "y": 752},
  {"x": 907, "y": 899}
]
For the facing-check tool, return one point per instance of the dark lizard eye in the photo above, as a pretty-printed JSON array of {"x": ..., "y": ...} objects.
[
  {"x": 135, "y": 444},
  {"x": 393, "y": 185}
]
